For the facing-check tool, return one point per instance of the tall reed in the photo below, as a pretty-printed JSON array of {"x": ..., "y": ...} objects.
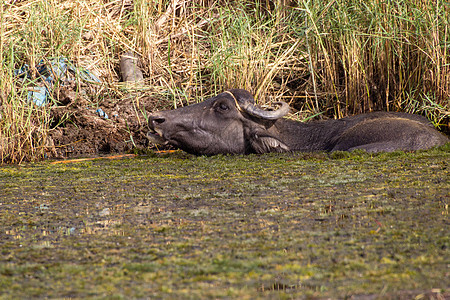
[{"x": 381, "y": 55}]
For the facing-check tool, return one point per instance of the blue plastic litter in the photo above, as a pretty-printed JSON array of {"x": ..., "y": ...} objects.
[
  {"x": 89, "y": 77},
  {"x": 22, "y": 71},
  {"x": 38, "y": 95},
  {"x": 101, "y": 113},
  {"x": 56, "y": 70}
]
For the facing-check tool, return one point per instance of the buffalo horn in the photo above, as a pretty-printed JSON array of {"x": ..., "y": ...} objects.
[{"x": 265, "y": 114}]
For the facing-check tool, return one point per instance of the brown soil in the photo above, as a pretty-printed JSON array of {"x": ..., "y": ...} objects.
[{"x": 79, "y": 130}]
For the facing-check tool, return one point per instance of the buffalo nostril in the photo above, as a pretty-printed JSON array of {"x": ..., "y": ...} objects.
[
  {"x": 156, "y": 120},
  {"x": 159, "y": 120}
]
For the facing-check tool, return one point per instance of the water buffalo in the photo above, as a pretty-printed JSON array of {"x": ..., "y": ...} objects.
[{"x": 231, "y": 123}]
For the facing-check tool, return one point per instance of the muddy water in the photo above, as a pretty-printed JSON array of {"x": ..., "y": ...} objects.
[{"x": 175, "y": 225}]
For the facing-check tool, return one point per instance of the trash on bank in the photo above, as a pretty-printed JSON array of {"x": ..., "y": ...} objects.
[
  {"x": 50, "y": 72},
  {"x": 129, "y": 68},
  {"x": 101, "y": 113},
  {"x": 38, "y": 95}
]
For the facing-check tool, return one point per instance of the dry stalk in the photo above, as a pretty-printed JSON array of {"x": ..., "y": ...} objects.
[
  {"x": 185, "y": 29},
  {"x": 169, "y": 13}
]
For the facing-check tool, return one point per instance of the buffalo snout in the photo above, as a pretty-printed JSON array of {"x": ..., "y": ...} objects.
[{"x": 155, "y": 133}]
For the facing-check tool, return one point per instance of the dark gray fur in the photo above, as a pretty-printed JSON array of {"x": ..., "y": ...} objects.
[{"x": 217, "y": 126}]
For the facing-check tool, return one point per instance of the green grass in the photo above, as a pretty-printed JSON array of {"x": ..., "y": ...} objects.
[{"x": 325, "y": 58}]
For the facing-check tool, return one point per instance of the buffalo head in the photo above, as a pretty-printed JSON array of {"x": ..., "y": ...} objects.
[{"x": 227, "y": 123}]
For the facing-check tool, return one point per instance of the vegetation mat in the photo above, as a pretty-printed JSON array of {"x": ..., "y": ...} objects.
[{"x": 284, "y": 226}]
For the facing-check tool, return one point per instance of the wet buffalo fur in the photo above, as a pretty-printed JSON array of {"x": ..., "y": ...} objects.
[{"x": 218, "y": 125}]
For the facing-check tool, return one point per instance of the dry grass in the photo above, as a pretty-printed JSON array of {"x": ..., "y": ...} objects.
[{"x": 330, "y": 58}]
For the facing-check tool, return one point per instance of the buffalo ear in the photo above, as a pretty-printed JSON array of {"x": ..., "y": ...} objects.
[{"x": 265, "y": 144}]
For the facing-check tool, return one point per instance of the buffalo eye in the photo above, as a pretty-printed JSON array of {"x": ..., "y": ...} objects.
[{"x": 222, "y": 107}]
